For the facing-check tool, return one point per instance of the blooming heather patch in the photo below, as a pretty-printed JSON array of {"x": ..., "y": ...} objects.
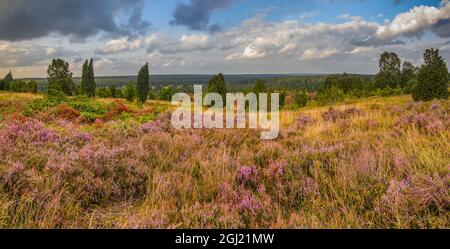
[
  {"x": 335, "y": 115},
  {"x": 248, "y": 176},
  {"x": 431, "y": 120},
  {"x": 60, "y": 169}
]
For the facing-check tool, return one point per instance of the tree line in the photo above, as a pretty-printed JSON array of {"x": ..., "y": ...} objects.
[
  {"x": 8, "y": 83},
  {"x": 426, "y": 82},
  {"x": 60, "y": 82}
]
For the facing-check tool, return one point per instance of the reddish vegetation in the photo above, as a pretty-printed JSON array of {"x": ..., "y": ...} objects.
[
  {"x": 68, "y": 113},
  {"x": 118, "y": 108}
]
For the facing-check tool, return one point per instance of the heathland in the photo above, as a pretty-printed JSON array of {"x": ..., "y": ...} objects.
[
  {"x": 376, "y": 162},
  {"x": 353, "y": 152}
]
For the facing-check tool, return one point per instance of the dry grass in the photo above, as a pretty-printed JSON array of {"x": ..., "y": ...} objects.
[{"x": 376, "y": 163}]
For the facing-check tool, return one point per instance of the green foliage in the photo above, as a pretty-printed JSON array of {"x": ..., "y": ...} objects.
[
  {"x": 349, "y": 83},
  {"x": 22, "y": 86},
  {"x": 282, "y": 99},
  {"x": 390, "y": 73},
  {"x": 432, "y": 78},
  {"x": 33, "y": 86},
  {"x": 260, "y": 87},
  {"x": 88, "y": 86},
  {"x": 60, "y": 78},
  {"x": 166, "y": 93},
  {"x": 84, "y": 78},
  {"x": 119, "y": 93},
  {"x": 330, "y": 95},
  {"x": 217, "y": 85},
  {"x": 129, "y": 92},
  {"x": 104, "y": 92},
  {"x": 7, "y": 80},
  {"x": 408, "y": 73},
  {"x": 91, "y": 85},
  {"x": 113, "y": 91},
  {"x": 88, "y": 107},
  {"x": 143, "y": 84},
  {"x": 388, "y": 91},
  {"x": 301, "y": 98},
  {"x": 411, "y": 85},
  {"x": 39, "y": 105}
]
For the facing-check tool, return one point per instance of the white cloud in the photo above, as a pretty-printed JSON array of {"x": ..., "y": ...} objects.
[
  {"x": 413, "y": 22},
  {"x": 313, "y": 53},
  {"x": 121, "y": 45},
  {"x": 20, "y": 54},
  {"x": 257, "y": 38},
  {"x": 158, "y": 42}
]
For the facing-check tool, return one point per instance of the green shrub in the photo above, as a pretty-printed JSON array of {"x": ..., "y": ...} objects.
[
  {"x": 129, "y": 92},
  {"x": 432, "y": 78},
  {"x": 301, "y": 98},
  {"x": 330, "y": 95}
]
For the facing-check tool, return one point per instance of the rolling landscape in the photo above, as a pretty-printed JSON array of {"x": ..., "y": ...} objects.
[{"x": 364, "y": 140}]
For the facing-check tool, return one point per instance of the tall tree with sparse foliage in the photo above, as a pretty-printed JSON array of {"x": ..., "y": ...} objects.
[
  {"x": 432, "y": 78},
  {"x": 143, "y": 84},
  {"x": 390, "y": 72},
  {"x": 408, "y": 73},
  {"x": 60, "y": 78}
]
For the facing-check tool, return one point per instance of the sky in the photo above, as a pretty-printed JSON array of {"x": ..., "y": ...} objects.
[{"x": 211, "y": 36}]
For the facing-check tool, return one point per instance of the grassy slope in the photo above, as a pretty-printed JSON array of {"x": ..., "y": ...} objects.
[{"x": 371, "y": 163}]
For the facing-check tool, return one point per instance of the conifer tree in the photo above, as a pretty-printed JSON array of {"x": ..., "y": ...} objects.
[
  {"x": 217, "y": 85},
  {"x": 60, "y": 78},
  {"x": 91, "y": 77},
  {"x": 143, "y": 84},
  {"x": 7, "y": 80},
  {"x": 84, "y": 78},
  {"x": 432, "y": 78}
]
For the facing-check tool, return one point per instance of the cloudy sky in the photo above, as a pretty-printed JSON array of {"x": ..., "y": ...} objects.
[{"x": 210, "y": 36}]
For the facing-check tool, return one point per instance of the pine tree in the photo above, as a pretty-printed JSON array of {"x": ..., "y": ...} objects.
[
  {"x": 8, "y": 80},
  {"x": 33, "y": 86},
  {"x": 217, "y": 85},
  {"x": 143, "y": 84},
  {"x": 85, "y": 79},
  {"x": 91, "y": 77},
  {"x": 432, "y": 78},
  {"x": 60, "y": 78},
  {"x": 260, "y": 87}
]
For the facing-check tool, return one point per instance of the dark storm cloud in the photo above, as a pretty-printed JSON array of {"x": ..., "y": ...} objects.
[
  {"x": 76, "y": 19},
  {"x": 196, "y": 15},
  {"x": 442, "y": 28}
]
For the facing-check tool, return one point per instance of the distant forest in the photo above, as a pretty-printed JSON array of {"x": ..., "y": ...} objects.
[{"x": 235, "y": 82}]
